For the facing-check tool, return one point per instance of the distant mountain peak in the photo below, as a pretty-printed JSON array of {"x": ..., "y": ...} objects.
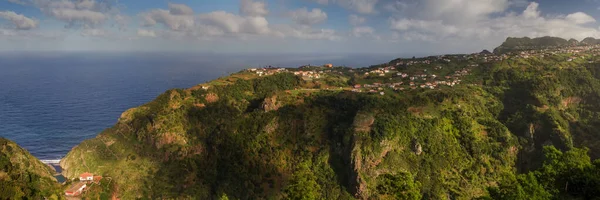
[
  {"x": 590, "y": 41},
  {"x": 526, "y": 43},
  {"x": 485, "y": 52}
]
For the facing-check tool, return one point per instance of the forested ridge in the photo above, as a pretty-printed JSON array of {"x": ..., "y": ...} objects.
[
  {"x": 23, "y": 176},
  {"x": 518, "y": 125}
]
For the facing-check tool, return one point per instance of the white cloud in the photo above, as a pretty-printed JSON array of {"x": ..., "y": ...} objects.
[
  {"x": 93, "y": 32},
  {"x": 305, "y": 32},
  {"x": 20, "y": 21},
  {"x": 146, "y": 33},
  {"x": 531, "y": 12},
  {"x": 436, "y": 26},
  {"x": 172, "y": 20},
  {"x": 121, "y": 21},
  {"x": 580, "y": 18},
  {"x": 180, "y": 9},
  {"x": 359, "y": 6},
  {"x": 356, "y": 20},
  {"x": 305, "y": 17},
  {"x": 488, "y": 30},
  {"x": 456, "y": 24},
  {"x": 253, "y": 8},
  {"x": 322, "y": 2},
  {"x": 221, "y": 24},
  {"x": 224, "y": 22},
  {"x": 29, "y": 35},
  {"x": 82, "y": 12},
  {"x": 462, "y": 11},
  {"x": 20, "y": 2},
  {"x": 362, "y": 31}
]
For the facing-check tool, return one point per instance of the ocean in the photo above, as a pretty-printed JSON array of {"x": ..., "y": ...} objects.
[{"x": 52, "y": 101}]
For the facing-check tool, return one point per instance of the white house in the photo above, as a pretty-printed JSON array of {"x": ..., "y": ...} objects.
[
  {"x": 76, "y": 189},
  {"x": 86, "y": 177}
]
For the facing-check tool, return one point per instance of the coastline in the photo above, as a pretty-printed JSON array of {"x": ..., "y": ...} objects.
[{"x": 54, "y": 164}]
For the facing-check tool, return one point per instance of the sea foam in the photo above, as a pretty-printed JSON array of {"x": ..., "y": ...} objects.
[{"x": 50, "y": 161}]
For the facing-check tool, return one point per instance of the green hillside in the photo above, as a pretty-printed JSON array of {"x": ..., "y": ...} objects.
[
  {"x": 519, "y": 44},
  {"x": 518, "y": 128},
  {"x": 23, "y": 176},
  {"x": 590, "y": 41}
]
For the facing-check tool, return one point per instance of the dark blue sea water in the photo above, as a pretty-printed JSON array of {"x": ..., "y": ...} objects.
[{"x": 50, "y": 102}]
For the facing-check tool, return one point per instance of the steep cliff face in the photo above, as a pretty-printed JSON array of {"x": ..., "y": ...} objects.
[{"x": 24, "y": 176}]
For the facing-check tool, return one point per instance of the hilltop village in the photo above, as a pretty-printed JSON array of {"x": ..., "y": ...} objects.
[{"x": 433, "y": 72}]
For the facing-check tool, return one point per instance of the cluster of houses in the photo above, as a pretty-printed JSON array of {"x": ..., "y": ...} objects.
[
  {"x": 266, "y": 71},
  {"x": 79, "y": 187},
  {"x": 430, "y": 81},
  {"x": 413, "y": 62},
  {"x": 309, "y": 74},
  {"x": 576, "y": 51}
]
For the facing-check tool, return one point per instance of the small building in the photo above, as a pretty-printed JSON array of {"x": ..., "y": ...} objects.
[
  {"x": 75, "y": 190},
  {"x": 328, "y": 65},
  {"x": 86, "y": 177}
]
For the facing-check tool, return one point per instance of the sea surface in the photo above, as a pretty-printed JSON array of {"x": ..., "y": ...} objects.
[{"x": 52, "y": 101}]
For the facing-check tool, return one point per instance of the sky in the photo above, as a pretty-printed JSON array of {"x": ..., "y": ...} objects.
[{"x": 288, "y": 26}]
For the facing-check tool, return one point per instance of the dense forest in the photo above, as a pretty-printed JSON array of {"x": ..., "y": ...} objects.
[{"x": 22, "y": 176}]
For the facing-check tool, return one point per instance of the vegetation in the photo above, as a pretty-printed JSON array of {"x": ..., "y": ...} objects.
[
  {"x": 525, "y": 43},
  {"x": 22, "y": 176},
  {"x": 520, "y": 128}
]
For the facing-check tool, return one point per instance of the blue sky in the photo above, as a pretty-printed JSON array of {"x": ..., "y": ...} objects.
[{"x": 288, "y": 26}]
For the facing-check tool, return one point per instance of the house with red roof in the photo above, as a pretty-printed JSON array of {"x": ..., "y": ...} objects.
[
  {"x": 86, "y": 177},
  {"x": 76, "y": 189}
]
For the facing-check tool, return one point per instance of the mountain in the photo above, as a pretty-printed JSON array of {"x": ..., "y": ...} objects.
[
  {"x": 23, "y": 176},
  {"x": 507, "y": 129},
  {"x": 590, "y": 41},
  {"x": 485, "y": 52},
  {"x": 526, "y": 43}
]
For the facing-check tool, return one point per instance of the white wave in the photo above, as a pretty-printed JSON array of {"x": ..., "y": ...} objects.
[{"x": 50, "y": 161}]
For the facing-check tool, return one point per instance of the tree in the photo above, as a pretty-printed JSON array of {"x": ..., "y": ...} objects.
[
  {"x": 399, "y": 186},
  {"x": 303, "y": 184}
]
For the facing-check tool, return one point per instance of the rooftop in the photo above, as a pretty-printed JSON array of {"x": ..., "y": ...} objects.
[{"x": 75, "y": 187}]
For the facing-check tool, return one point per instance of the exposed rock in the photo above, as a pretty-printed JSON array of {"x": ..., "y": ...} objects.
[
  {"x": 363, "y": 122},
  {"x": 175, "y": 100},
  {"x": 270, "y": 104},
  {"x": 417, "y": 148},
  {"x": 170, "y": 138},
  {"x": 199, "y": 105},
  {"x": 128, "y": 115},
  {"x": 211, "y": 98},
  {"x": 570, "y": 100},
  {"x": 531, "y": 131}
]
